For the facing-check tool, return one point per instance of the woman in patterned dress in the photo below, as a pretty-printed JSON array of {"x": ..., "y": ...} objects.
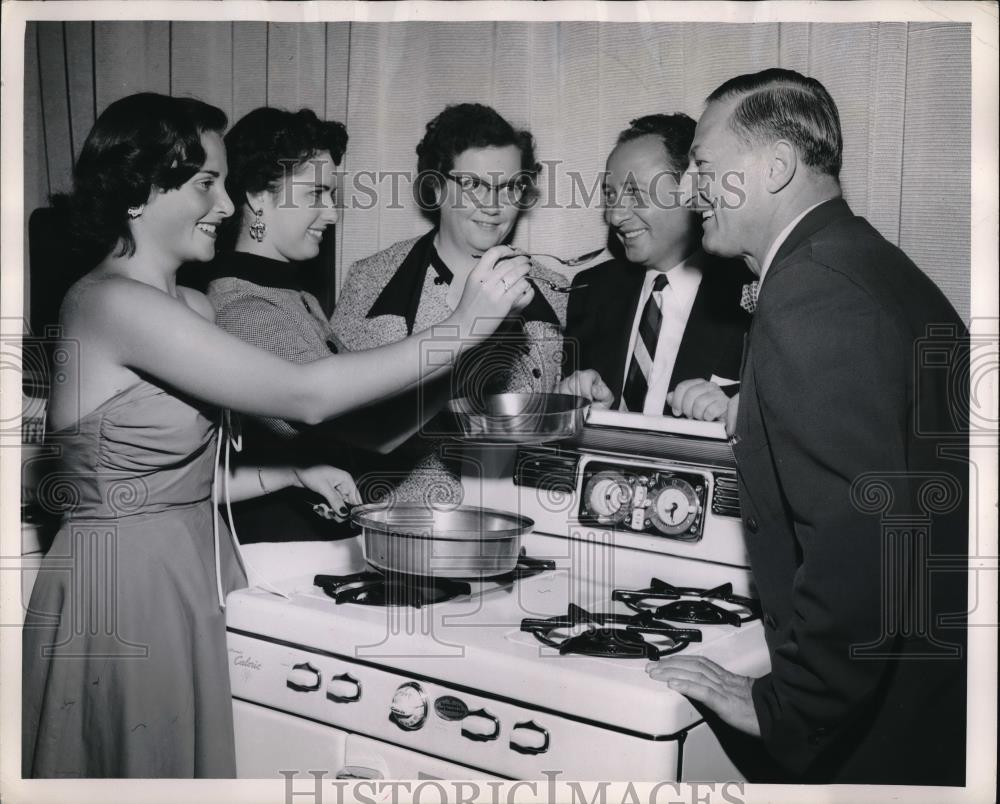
[{"x": 475, "y": 175}]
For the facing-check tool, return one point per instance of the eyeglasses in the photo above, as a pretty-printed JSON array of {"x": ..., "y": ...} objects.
[{"x": 483, "y": 191}]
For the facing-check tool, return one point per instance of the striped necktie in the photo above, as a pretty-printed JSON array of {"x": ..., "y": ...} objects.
[{"x": 640, "y": 367}]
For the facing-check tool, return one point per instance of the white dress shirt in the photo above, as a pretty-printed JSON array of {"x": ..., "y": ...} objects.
[{"x": 676, "y": 301}]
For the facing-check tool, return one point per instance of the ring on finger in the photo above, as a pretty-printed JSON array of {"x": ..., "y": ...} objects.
[{"x": 503, "y": 280}]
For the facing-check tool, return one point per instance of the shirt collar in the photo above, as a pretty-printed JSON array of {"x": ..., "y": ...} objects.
[
  {"x": 259, "y": 270},
  {"x": 401, "y": 294},
  {"x": 684, "y": 277},
  {"x": 782, "y": 237}
]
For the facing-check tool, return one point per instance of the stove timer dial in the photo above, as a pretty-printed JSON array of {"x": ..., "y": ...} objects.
[
  {"x": 608, "y": 497},
  {"x": 409, "y": 707},
  {"x": 674, "y": 506}
]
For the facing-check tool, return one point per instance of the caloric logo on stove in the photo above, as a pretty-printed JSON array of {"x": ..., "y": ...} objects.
[{"x": 246, "y": 662}]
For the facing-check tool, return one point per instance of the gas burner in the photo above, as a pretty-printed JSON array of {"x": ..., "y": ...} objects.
[
  {"x": 704, "y": 610},
  {"x": 619, "y": 636},
  {"x": 369, "y": 588},
  {"x": 377, "y": 588}
]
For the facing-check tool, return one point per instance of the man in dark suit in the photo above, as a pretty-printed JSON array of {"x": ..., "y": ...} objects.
[
  {"x": 662, "y": 330},
  {"x": 852, "y": 458}
]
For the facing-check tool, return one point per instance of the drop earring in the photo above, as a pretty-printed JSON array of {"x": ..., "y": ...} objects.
[
  {"x": 258, "y": 228},
  {"x": 136, "y": 211}
]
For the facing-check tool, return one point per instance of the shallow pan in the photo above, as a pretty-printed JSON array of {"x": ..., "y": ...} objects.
[
  {"x": 531, "y": 418},
  {"x": 461, "y": 542}
]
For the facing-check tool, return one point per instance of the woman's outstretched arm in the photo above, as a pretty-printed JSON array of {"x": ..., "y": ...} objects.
[{"x": 146, "y": 330}]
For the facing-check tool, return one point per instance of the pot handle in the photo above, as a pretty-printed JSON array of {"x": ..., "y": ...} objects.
[{"x": 323, "y": 510}]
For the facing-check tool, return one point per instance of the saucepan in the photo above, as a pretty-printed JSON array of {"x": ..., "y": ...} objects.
[
  {"x": 518, "y": 418},
  {"x": 453, "y": 542}
]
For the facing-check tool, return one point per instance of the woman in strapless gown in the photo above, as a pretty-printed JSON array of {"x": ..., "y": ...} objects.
[
  {"x": 143, "y": 690},
  {"x": 125, "y": 670}
]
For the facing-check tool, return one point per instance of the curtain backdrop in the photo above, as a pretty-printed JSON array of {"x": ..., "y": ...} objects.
[{"x": 903, "y": 90}]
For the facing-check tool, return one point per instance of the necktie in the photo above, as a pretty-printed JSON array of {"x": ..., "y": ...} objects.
[{"x": 641, "y": 365}]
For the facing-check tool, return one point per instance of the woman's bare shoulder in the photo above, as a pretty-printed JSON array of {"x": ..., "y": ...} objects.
[
  {"x": 101, "y": 300},
  {"x": 198, "y": 302}
]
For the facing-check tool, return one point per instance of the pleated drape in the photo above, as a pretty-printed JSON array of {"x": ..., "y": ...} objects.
[{"x": 903, "y": 90}]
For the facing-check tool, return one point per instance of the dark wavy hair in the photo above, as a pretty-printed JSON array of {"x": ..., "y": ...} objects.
[
  {"x": 783, "y": 104},
  {"x": 139, "y": 142},
  {"x": 264, "y": 144},
  {"x": 676, "y": 132},
  {"x": 454, "y": 131}
]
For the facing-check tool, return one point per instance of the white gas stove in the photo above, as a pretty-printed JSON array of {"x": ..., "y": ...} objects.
[{"x": 488, "y": 682}]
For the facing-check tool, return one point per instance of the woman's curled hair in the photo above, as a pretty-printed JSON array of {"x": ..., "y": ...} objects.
[
  {"x": 454, "y": 131},
  {"x": 267, "y": 143},
  {"x": 139, "y": 142}
]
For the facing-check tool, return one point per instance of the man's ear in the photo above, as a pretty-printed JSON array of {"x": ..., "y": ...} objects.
[{"x": 783, "y": 162}]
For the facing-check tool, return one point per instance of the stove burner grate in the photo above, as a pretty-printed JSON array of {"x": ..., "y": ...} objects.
[
  {"x": 704, "y": 610},
  {"x": 370, "y": 588},
  {"x": 610, "y": 635},
  {"x": 377, "y": 588}
]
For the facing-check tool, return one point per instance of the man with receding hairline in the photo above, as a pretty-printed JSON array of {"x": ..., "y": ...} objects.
[
  {"x": 660, "y": 331},
  {"x": 867, "y": 681}
]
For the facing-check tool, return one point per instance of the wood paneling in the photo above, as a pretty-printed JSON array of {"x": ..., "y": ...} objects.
[
  {"x": 201, "y": 62},
  {"x": 130, "y": 57},
  {"x": 80, "y": 77},
  {"x": 903, "y": 91},
  {"x": 935, "y": 199},
  {"x": 249, "y": 89}
]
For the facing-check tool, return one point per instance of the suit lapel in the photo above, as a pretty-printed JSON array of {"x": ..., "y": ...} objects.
[
  {"x": 826, "y": 213},
  {"x": 617, "y": 308},
  {"x": 702, "y": 339}
]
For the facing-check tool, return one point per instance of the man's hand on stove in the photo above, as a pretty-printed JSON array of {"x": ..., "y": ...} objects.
[
  {"x": 701, "y": 679},
  {"x": 588, "y": 384}
]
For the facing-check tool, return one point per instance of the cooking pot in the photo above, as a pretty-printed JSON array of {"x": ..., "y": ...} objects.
[
  {"x": 518, "y": 418},
  {"x": 454, "y": 542}
]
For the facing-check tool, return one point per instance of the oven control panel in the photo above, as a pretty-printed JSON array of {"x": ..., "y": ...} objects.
[{"x": 654, "y": 500}]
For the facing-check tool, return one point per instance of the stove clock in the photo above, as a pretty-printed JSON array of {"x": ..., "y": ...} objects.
[{"x": 654, "y": 500}]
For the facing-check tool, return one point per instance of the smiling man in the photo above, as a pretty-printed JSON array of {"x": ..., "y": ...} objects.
[
  {"x": 660, "y": 332},
  {"x": 841, "y": 433}
]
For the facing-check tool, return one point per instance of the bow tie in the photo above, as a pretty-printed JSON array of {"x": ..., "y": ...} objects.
[{"x": 748, "y": 298}]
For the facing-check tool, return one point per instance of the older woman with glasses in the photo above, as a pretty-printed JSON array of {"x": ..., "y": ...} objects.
[{"x": 475, "y": 174}]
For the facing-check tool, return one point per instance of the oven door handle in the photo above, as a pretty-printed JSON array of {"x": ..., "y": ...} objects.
[
  {"x": 529, "y": 726},
  {"x": 481, "y": 737}
]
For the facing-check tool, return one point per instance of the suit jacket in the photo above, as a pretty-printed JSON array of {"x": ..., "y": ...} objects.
[
  {"x": 844, "y": 496},
  {"x": 599, "y": 323}
]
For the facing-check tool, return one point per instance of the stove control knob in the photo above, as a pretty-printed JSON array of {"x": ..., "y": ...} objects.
[
  {"x": 529, "y": 738},
  {"x": 303, "y": 678},
  {"x": 344, "y": 688},
  {"x": 409, "y": 707},
  {"x": 480, "y": 726}
]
